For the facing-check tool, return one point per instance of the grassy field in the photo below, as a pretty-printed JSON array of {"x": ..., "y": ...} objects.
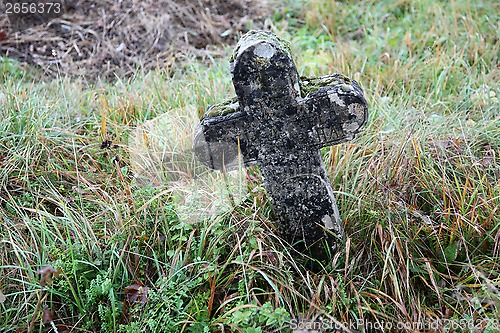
[{"x": 84, "y": 248}]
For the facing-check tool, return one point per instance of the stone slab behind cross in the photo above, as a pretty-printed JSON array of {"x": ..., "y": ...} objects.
[{"x": 280, "y": 121}]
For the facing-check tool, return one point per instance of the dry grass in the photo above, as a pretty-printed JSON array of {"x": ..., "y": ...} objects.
[{"x": 114, "y": 39}]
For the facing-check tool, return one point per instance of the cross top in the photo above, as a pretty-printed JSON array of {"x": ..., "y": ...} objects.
[
  {"x": 279, "y": 121},
  {"x": 264, "y": 73}
]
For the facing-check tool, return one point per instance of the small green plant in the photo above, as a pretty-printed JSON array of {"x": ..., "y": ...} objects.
[
  {"x": 103, "y": 296},
  {"x": 10, "y": 69},
  {"x": 258, "y": 319}
]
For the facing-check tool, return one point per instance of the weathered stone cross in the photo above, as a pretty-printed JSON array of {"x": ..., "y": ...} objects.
[{"x": 280, "y": 122}]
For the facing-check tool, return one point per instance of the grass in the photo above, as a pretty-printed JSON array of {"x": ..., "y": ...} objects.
[{"x": 419, "y": 191}]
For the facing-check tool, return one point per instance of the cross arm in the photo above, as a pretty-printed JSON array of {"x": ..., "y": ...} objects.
[
  {"x": 220, "y": 137},
  {"x": 337, "y": 107}
]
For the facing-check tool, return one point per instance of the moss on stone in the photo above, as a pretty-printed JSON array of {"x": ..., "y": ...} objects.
[
  {"x": 223, "y": 109},
  {"x": 310, "y": 85}
]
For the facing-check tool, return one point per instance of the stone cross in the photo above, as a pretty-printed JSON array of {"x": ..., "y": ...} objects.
[{"x": 279, "y": 122}]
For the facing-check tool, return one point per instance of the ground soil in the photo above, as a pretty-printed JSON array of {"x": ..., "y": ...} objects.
[{"x": 110, "y": 39}]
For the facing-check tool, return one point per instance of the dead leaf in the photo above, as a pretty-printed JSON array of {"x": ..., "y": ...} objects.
[
  {"x": 488, "y": 155},
  {"x": 2, "y": 297},
  {"x": 47, "y": 316},
  {"x": 47, "y": 273},
  {"x": 135, "y": 293}
]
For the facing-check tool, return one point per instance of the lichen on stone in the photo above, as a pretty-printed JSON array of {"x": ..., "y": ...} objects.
[
  {"x": 261, "y": 62},
  {"x": 254, "y": 37}
]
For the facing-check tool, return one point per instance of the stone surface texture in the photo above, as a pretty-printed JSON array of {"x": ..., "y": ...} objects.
[{"x": 280, "y": 121}]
